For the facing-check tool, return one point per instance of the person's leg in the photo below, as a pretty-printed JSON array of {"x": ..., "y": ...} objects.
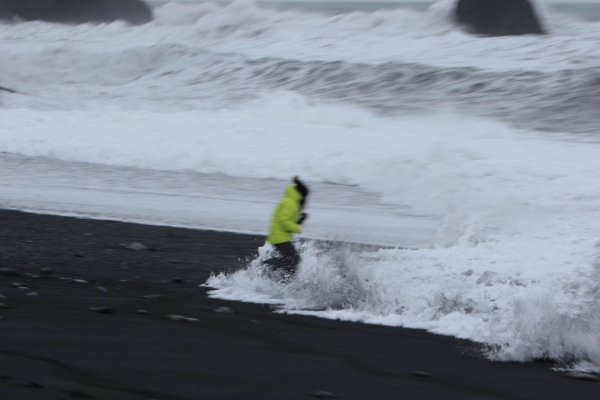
[
  {"x": 291, "y": 258},
  {"x": 277, "y": 261}
]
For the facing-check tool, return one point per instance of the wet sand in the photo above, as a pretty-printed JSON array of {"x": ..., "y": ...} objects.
[{"x": 54, "y": 346}]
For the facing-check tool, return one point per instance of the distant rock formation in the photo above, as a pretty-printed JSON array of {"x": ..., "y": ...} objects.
[
  {"x": 76, "y": 11},
  {"x": 5, "y": 14},
  {"x": 498, "y": 17}
]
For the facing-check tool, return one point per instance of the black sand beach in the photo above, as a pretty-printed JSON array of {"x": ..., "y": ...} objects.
[{"x": 53, "y": 346}]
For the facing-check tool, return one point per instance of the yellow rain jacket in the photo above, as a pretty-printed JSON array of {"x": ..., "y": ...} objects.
[{"x": 286, "y": 217}]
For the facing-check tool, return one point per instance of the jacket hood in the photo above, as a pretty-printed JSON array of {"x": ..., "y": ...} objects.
[{"x": 292, "y": 192}]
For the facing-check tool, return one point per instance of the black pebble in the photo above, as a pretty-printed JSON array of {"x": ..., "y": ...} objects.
[
  {"x": 421, "y": 374},
  {"x": 137, "y": 246},
  {"x": 27, "y": 384},
  {"x": 154, "y": 297},
  {"x": 78, "y": 394},
  {"x": 324, "y": 395},
  {"x": 102, "y": 310},
  {"x": 18, "y": 285},
  {"x": 583, "y": 376},
  {"x": 224, "y": 310},
  {"x": 9, "y": 272}
]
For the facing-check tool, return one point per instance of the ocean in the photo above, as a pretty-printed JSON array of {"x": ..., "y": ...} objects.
[{"x": 473, "y": 161}]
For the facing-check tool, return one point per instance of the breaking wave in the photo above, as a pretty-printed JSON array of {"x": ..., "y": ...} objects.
[{"x": 517, "y": 314}]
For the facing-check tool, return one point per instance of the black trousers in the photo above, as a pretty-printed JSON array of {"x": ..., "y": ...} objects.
[{"x": 289, "y": 260}]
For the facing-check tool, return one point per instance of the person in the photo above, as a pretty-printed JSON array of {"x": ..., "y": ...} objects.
[{"x": 287, "y": 221}]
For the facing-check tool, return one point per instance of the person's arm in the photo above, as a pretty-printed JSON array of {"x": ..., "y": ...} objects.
[
  {"x": 303, "y": 217},
  {"x": 285, "y": 218}
]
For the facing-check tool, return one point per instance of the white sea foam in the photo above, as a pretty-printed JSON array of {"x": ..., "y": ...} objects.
[{"x": 514, "y": 264}]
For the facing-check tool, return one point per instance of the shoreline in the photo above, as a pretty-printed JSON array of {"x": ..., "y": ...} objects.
[{"x": 54, "y": 346}]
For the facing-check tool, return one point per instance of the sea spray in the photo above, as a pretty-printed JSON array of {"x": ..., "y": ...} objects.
[
  {"x": 516, "y": 313},
  {"x": 329, "y": 277}
]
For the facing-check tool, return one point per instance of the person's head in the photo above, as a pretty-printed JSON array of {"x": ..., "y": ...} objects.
[{"x": 302, "y": 189}]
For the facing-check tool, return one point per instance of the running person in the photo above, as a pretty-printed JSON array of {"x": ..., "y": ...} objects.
[{"x": 287, "y": 221}]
